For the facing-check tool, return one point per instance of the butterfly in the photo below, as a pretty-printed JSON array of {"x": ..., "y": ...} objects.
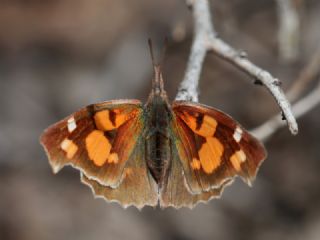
[{"x": 157, "y": 153}]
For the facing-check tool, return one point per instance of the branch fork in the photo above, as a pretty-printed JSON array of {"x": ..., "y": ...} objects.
[{"x": 205, "y": 40}]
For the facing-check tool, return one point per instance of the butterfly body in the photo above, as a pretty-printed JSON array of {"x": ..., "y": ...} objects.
[
  {"x": 158, "y": 153},
  {"x": 158, "y": 116}
]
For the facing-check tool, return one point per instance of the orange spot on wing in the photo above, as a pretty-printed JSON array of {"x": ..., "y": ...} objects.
[
  {"x": 98, "y": 147},
  {"x": 69, "y": 147},
  {"x": 210, "y": 154},
  {"x": 102, "y": 120},
  {"x": 207, "y": 127},
  {"x": 195, "y": 164},
  {"x": 105, "y": 123},
  {"x": 120, "y": 118},
  {"x": 128, "y": 172},
  {"x": 113, "y": 158},
  {"x": 237, "y": 158}
]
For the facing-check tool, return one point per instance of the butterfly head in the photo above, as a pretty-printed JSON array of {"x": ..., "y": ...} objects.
[{"x": 157, "y": 81}]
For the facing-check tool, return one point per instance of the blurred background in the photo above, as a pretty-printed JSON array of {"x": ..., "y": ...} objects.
[{"x": 57, "y": 56}]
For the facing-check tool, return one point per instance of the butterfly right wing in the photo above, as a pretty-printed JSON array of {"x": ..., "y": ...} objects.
[
  {"x": 176, "y": 193},
  {"x": 209, "y": 149},
  {"x": 213, "y": 148}
]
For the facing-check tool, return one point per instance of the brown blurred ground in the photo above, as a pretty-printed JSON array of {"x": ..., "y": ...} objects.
[{"x": 57, "y": 56}]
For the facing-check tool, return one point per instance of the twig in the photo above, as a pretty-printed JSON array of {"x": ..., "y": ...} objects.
[
  {"x": 261, "y": 76},
  {"x": 204, "y": 41},
  {"x": 289, "y": 30},
  {"x": 301, "y": 107},
  {"x": 307, "y": 75}
]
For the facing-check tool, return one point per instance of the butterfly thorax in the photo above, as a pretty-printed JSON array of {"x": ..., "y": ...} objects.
[{"x": 157, "y": 138}]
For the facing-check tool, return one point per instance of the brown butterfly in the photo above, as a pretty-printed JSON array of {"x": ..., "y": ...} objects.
[{"x": 154, "y": 154}]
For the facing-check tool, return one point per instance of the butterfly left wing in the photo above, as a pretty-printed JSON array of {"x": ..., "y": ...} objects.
[
  {"x": 213, "y": 148},
  {"x": 137, "y": 188},
  {"x": 98, "y": 140}
]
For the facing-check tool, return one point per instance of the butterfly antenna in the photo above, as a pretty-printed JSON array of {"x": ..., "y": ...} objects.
[
  {"x": 163, "y": 53},
  {"x": 164, "y": 50},
  {"x": 151, "y": 52},
  {"x": 157, "y": 83}
]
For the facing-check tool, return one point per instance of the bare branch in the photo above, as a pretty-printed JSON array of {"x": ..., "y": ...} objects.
[
  {"x": 272, "y": 84},
  {"x": 203, "y": 28},
  {"x": 300, "y": 108},
  {"x": 289, "y": 30},
  {"x": 307, "y": 75},
  {"x": 204, "y": 41}
]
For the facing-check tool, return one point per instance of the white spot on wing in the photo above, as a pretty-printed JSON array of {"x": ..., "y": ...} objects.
[
  {"x": 242, "y": 156},
  {"x": 69, "y": 147},
  {"x": 65, "y": 144},
  {"x": 71, "y": 124},
  {"x": 237, "y": 135}
]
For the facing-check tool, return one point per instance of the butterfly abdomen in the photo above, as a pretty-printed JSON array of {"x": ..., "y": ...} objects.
[
  {"x": 157, "y": 139},
  {"x": 158, "y": 155}
]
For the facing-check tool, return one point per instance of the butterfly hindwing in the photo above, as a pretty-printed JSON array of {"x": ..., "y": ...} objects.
[
  {"x": 213, "y": 148},
  {"x": 176, "y": 193},
  {"x": 98, "y": 140},
  {"x": 137, "y": 188}
]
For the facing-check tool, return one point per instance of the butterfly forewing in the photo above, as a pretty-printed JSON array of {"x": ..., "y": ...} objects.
[
  {"x": 213, "y": 148},
  {"x": 98, "y": 140}
]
